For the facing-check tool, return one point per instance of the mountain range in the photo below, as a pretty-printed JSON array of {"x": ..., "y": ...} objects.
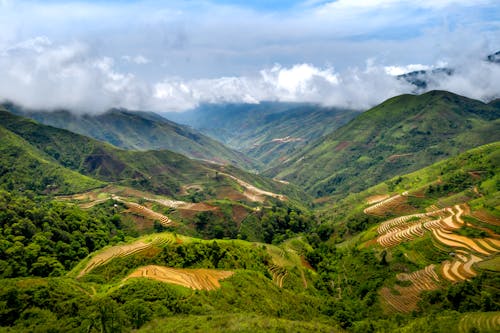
[
  {"x": 401, "y": 135},
  {"x": 385, "y": 220},
  {"x": 139, "y": 130},
  {"x": 269, "y": 132}
]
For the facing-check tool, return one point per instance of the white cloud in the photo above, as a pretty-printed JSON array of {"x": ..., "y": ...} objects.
[
  {"x": 138, "y": 59},
  {"x": 37, "y": 44},
  {"x": 354, "y": 88},
  {"x": 65, "y": 76},
  {"x": 399, "y": 70},
  {"x": 40, "y": 73},
  {"x": 379, "y": 4},
  {"x": 475, "y": 79}
]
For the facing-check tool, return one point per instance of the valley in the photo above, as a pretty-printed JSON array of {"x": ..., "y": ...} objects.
[
  {"x": 223, "y": 166},
  {"x": 151, "y": 240}
]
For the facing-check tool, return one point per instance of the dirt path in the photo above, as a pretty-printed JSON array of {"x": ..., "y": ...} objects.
[
  {"x": 253, "y": 193},
  {"x": 93, "y": 203},
  {"x": 200, "y": 279}
]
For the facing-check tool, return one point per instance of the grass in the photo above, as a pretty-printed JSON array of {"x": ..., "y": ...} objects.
[
  {"x": 239, "y": 322},
  {"x": 492, "y": 264}
]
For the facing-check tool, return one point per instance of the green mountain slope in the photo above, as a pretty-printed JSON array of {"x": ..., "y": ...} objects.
[
  {"x": 401, "y": 135},
  {"x": 472, "y": 176},
  {"x": 270, "y": 132},
  {"x": 140, "y": 131},
  {"x": 159, "y": 171},
  {"x": 24, "y": 167},
  {"x": 432, "y": 237},
  {"x": 167, "y": 282}
]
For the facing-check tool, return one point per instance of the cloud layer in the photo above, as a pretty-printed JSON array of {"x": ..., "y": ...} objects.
[{"x": 90, "y": 56}]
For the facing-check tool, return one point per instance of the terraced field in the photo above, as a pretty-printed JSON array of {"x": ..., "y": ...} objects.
[
  {"x": 406, "y": 228},
  {"x": 405, "y": 299},
  {"x": 484, "y": 322},
  {"x": 285, "y": 258},
  {"x": 98, "y": 196},
  {"x": 146, "y": 212},
  {"x": 383, "y": 206},
  {"x": 376, "y": 198},
  {"x": 394, "y": 237},
  {"x": 465, "y": 252},
  {"x": 398, "y": 222},
  {"x": 478, "y": 245},
  {"x": 279, "y": 274},
  {"x": 459, "y": 269},
  {"x": 199, "y": 279},
  {"x": 199, "y": 207},
  {"x": 119, "y": 251}
]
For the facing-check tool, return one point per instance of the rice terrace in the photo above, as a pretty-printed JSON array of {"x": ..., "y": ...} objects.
[{"x": 250, "y": 166}]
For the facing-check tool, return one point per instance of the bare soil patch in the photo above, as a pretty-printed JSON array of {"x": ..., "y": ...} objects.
[
  {"x": 486, "y": 217},
  {"x": 376, "y": 198},
  {"x": 341, "y": 146},
  {"x": 394, "y": 157}
]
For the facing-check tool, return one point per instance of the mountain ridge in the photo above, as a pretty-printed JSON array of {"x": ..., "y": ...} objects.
[
  {"x": 269, "y": 131},
  {"x": 404, "y": 132},
  {"x": 139, "y": 130},
  {"x": 159, "y": 171}
]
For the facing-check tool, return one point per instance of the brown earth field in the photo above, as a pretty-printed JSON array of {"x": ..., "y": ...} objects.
[{"x": 199, "y": 279}]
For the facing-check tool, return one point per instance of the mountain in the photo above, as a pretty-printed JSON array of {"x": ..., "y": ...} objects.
[
  {"x": 270, "y": 131},
  {"x": 158, "y": 171},
  {"x": 436, "y": 232},
  {"x": 400, "y": 135},
  {"x": 421, "y": 256},
  {"x": 25, "y": 167},
  {"x": 422, "y": 79},
  {"x": 138, "y": 130}
]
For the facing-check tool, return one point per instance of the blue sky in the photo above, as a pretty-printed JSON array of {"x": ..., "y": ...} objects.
[
  {"x": 270, "y": 5},
  {"x": 131, "y": 52}
]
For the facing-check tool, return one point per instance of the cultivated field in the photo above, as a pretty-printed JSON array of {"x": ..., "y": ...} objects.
[
  {"x": 443, "y": 225},
  {"x": 199, "y": 279},
  {"x": 119, "y": 251}
]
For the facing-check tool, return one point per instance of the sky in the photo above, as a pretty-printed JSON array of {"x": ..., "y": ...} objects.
[{"x": 90, "y": 56}]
